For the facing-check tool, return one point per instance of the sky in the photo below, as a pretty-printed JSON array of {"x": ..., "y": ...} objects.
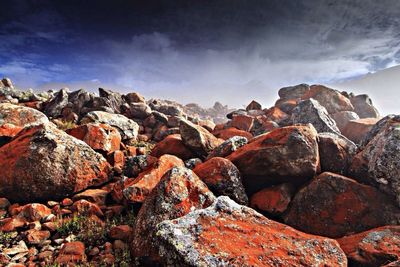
[{"x": 201, "y": 51}]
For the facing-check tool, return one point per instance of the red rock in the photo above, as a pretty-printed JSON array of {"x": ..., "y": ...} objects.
[
  {"x": 286, "y": 105},
  {"x": 72, "y": 253},
  {"x": 9, "y": 130},
  {"x": 179, "y": 191},
  {"x": 227, "y": 234},
  {"x": 333, "y": 205},
  {"x": 4, "y": 203},
  {"x": 116, "y": 159},
  {"x": 84, "y": 207},
  {"x": 12, "y": 224},
  {"x": 231, "y": 132},
  {"x": 98, "y": 136},
  {"x": 67, "y": 202},
  {"x": 375, "y": 247},
  {"x": 173, "y": 145},
  {"x": 274, "y": 200},
  {"x": 140, "y": 188},
  {"x": 222, "y": 178},
  {"x": 288, "y": 154},
  {"x": 122, "y": 232},
  {"x": 131, "y": 151},
  {"x": 275, "y": 114},
  {"x": 254, "y": 105},
  {"x": 242, "y": 122},
  {"x": 96, "y": 196},
  {"x": 44, "y": 163},
  {"x": 36, "y": 237},
  {"x": 356, "y": 130},
  {"x": 34, "y": 212}
]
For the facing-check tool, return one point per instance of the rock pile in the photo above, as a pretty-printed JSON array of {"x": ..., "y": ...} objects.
[{"x": 115, "y": 180}]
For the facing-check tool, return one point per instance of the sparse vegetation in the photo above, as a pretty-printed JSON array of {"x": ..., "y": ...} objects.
[
  {"x": 6, "y": 237},
  {"x": 147, "y": 145},
  {"x": 64, "y": 125}
]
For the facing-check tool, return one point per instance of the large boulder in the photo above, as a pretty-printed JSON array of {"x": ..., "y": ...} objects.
[
  {"x": 43, "y": 162},
  {"x": 173, "y": 145},
  {"x": 293, "y": 92},
  {"x": 198, "y": 139},
  {"x": 113, "y": 100},
  {"x": 223, "y": 179},
  {"x": 379, "y": 162},
  {"x": 288, "y": 154},
  {"x": 382, "y": 123},
  {"x": 331, "y": 99},
  {"x": 127, "y": 128},
  {"x": 55, "y": 106},
  {"x": 363, "y": 106},
  {"x": 376, "y": 247},
  {"x": 342, "y": 118},
  {"x": 231, "y": 132},
  {"x": 274, "y": 200},
  {"x": 228, "y": 234},
  {"x": 228, "y": 146},
  {"x": 356, "y": 130},
  {"x": 179, "y": 192},
  {"x": 333, "y": 205},
  {"x": 310, "y": 111}
]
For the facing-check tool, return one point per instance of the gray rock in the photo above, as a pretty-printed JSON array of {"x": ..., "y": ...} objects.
[
  {"x": 113, "y": 100},
  {"x": 55, "y": 106},
  {"x": 377, "y": 128},
  {"x": 342, "y": 118},
  {"x": 228, "y": 146},
  {"x": 310, "y": 111},
  {"x": 139, "y": 111},
  {"x": 363, "y": 106},
  {"x": 293, "y": 92}
]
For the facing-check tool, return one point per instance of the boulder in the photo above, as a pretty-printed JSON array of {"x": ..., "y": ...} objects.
[
  {"x": 378, "y": 163},
  {"x": 254, "y": 105},
  {"x": 173, "y": 145},
  {"x": 231, "y": 132},
  {"x": 310, "y": 111},
  {"x": 55, "y": 106},
  {"x": 376, "y": 247},
  {"x": 140, "y": 187},
  {"x": 127, "y": 128},
  {"x": 382, "y": 123},
  {"x": 139, "y": 111},
  {"x": 43, "y": 162},
  {"x": 336, "y": 153},
  {"x": 228, "y": 234},
  {"x": 275, "y": 114},
  {"x": 179, "y": 192},
  {"x": 356, "y": 130},
  {"x": 342, "y": 118},
  {"x": 274, "y": 200},
  {"x": 242, "y": 122},
  {"x": 72, "y": 254},
  {"x": 198, "y": 139},
  {"x": 363, "y": 107},
  {"x": 333, "y": 205},
  {"x": 288, "y": 154},
  {"x": 228, "y": 146},
  {"x": 113, "y": 100},
  {"x": 293, "y": 92},
  {"x": 222, "y": 178},
  {"x": 134, "y": 98},
  {"x": 98, "y": 136},
  {"x": 286, "y": 105}
]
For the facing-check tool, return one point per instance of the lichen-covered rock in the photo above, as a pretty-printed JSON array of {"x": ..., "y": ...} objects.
[
  {"x": 198, "y": 139},
  {"x": 379, "y": 162},
  {"x": 43, "y": 162},
  {"x": 356, "y": 130},
  {"x": 231, "y": 132},
  {"x": 226, "y": 148},
  {"x": 179, "y": 192},
  {"x": 329, "y": 98},
  {"x": 127, "y": 128},
  {"x": 376, "y": 247},
  {"x": 288, "y": 154},
  {"x": 363, "y": 106},
  {"x": 382, "y": 123},
  {"x": 293, "y": 92},
  {"x": 310, "y": 111},
  {"x": 274, "y": 200},
  {"x": 336, "y": 153},
  {"x": 140, "y": 187},
  {"x": 333, "y": 205},
  {"x": 223, "y": 179},
  {"x": 173, "y": 145},
  {"x": 111, "y": 99},
  {"x": 275, "y": 114},
  {"x": 98, "y": 136},
  {"x": 228, "y": 234}
]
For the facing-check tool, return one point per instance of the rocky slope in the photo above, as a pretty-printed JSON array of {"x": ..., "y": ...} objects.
[{"x": 115, "y": 180}]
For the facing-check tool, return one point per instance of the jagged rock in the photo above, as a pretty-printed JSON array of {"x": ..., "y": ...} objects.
[
  {"x": 293, "y": 92},
  {"x": 96, "y": 196},
  {"x": 356, "y": 130},
  {"x": 7, "y": 82},
  {"x": 43, "y": 162},
  {"x": 114, "y": 100},
  {"x": 242, "y": 122},
  {"x": 329, "y": 98},
  {"x": 127, "y": 128},
  {"x": 173, "y": 145},
  {"x": 310, "y": 111},
  {"x": 376, "y": 247},
  {"x": 382, "y": 123},
  {"x": 236, "y": 113},
  {"x": 333, "y": 205},
  {"x": 379, "y": 162},
  {"x": 274, "y": 200},
  {"x": 228, "y": 234},
  {"x": 79, "y": 101},
  {"x": 98, "y": 136},
  {"x": 286, "y": 105},
  {"x": 137, "y": 164},
  {"x": 198, "y": 139},
  {"x": 336, "y": 153},
  {"x": 288, "y": 154},
  {"x": 263, "y": 125},
  {"x": 179, "y": 192},
  {"x": 223, "y": 179},
  {"x": 139, "y": 110},
  {"x": 342, "y": 118},
  {"x": 228, "y": 146},
  {"x": 55, "y": 106},
  {"x": 363, "y": 107},
  {"x": 254, "y": 105},
  {"x": 166, "y": 109}
]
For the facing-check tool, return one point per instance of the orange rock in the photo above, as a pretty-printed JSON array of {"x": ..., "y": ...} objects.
[
  {"x": 97, "y": 196},
  {"x": 45, "y": 163},
  {"x": 227, "y": 234},
  {"x": 116, "y": 159},
  {"x": 122, "y": 232},
  {"x": 288, "y": 154},
  {"x": 242, "y": 122},
  {"x": 36, "y": 237},
  {"x": 222, "y": 178},
  {"x": 275, "y": 114},
  {"x": 140, "y": 188},
  {"x": 274, "y": 200},
  {"x": 98, "y": 136},
  {"x": 84, "y": 207},
  {"x": 173, "y": 145},
  {"x": 231, "y": 132},
  {"x": 375, "y": 247},
  {"x": 12, "y": 224},
  {"x": 33, "y": 212},
  {"x": 178, "y": 192},
  {"x": 356, "y": 130},
  {"x": 9, "y": 130},
  {"x": 333, "y": 205},
  {"x": 72, "y": 253}
]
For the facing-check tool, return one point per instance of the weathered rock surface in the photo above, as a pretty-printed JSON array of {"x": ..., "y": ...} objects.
[
  {"x": 274, "y": 200},
  {"x": 173, "y": 145},
  {"x": 222, "y": 178},
  {"x": 293, "y": 92},
  {"x": 231, "y": 132},
  {"x": 356, "y": 130},
  {"x": 227, "y": 234},
  {"x": 179, "y": 192},
  {"x": 228, "y": 146},
  {"x": 363, "y": 106},
  {"x": 254, "y": 105},
  {"x": 333, "y": 205},
  {"x": 43, "y": 163},
  {"x": 342, "y": 118},
  {"x": 288, "y": 154}
]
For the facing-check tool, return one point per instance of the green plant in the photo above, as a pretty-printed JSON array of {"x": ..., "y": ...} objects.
[
  {"x": 147, "y": 145},
  {"x": 123, "y": 258},
  {"x": 65, "y": 125},
  {"x": 6, "y": 237},
  {"x": 128, "y": 218},
  {"x": 70, "y": 226}
]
